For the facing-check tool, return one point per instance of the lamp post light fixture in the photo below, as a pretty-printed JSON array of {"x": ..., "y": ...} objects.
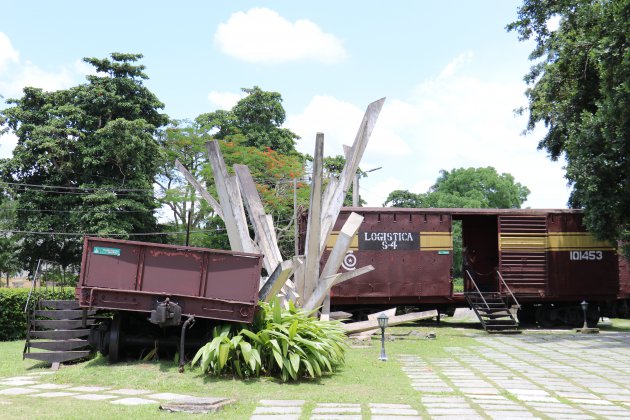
[
  {"x": 584, "y": 306},
  {"x": 382, "y": 323}
]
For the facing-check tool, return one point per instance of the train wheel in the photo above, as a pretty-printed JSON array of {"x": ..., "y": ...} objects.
[
  {"x": 115, "y": 338},
  {"x": 544, "y": 316},
  {"x": 526, "y": 315}
]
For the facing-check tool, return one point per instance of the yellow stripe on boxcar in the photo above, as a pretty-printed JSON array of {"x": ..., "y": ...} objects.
[
  {"x": 576, "y": 241},
  {"x": 436, "y": 241}
]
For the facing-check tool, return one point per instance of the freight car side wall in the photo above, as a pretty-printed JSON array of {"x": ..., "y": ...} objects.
[
  {"x": 552, "y": 257},
  {"x": 134, "y": 276},
  {"x": 580, "y": 266},
  {"x": 411, "y": 252}
]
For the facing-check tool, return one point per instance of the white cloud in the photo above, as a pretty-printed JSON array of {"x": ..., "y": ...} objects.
[
  {"x": 445, "y": 123},
  {"x": 21, "y": 73},
  {"x": 261, "y": 35},
  {"x": 7, "y": 144},
  {"x": 553, "y": 23},
  {"x": 7, "y": 52},
  {"x": 224, "y": 100},
  {"x": 452, "y": 67}
]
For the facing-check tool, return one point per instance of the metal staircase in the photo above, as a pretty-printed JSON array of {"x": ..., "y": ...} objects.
[
  {"x": 59, "y": 330},
  {"x": 492, "y": 307}
]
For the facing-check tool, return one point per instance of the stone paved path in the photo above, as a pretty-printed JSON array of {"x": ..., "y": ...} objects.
[
  {"x": 552, "y": 375},
  {"x": 544, "y": 376},
  {"x": 32, "y": 385}
]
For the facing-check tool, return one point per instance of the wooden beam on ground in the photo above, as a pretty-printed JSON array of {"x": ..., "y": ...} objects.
[
  {"x": 356, "y": 327},
  {"x": 313, "y": 232},
  {"x": 264, "y": 233},
  {"x": 276, "y": 281},
  {"x": 231, "y": 202},
  {"x": 200, "y": 189},
  {"x": 336, "y": 191},
  {"x": 335, "y": 258}
]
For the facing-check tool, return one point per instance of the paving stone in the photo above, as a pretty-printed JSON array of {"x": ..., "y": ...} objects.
[
  {"x": 489, "y": 391},
  {"x": 54, "y": 394},
  {"x": 133, "y": 401},
  {"x": 40, "y": 373},
  {"x": 386, "y": 417},
  {"x": 507, "y": 407},
  {"x": 394, "y": 411},
  {"x": 453, "y": 399},
  {"x": 166, "y": 396},
  {"x": 589, "y": 401},
  {"x": 17, "y": 391},
  {"x": 452, "y": 412},
  {"x": 338, "y": 405},
  {"x": 521, "y": 391},
  {"x": 277, "y": 410},
  {"x": 18, "y": 382},
  {"x": 94, "y": 397},
  {"x": 536, "y": 398},
  {"x": 88, "y": 388},
  {"x": 447, "y": 405},
  {"x": 50, "y": 386},
  {"x": 283, "y": 403},
  {"x": 336, "y": 410},
  {"x": 334, "y": 417},
  {"x": 501, "y": 414},
  {"x": 276, "y": 417},
  {"x": 127, "y": 391}
]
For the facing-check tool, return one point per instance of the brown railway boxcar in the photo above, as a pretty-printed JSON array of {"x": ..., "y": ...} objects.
[
  {"x": 545, "y": 258},
  {"x": 151, "y": 288}
]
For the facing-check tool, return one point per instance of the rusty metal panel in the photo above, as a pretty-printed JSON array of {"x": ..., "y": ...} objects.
[
  {"x": 522, "y": 254},
  {"x": 128, "y": 275},
  {"x": 581, "y": 267},
  {"x": 410, "y": 249},
  {"x": 624, "y": 277}
]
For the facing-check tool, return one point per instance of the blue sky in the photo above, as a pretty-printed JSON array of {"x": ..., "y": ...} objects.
[{"x": 451, "y": 73}]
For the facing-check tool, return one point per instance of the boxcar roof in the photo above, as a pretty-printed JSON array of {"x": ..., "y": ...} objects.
[{"x": 456, "y": 211}]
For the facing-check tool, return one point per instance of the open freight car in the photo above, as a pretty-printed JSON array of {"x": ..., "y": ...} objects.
[
  {"x": 545, "y": 259},
  {"x": 155, "y": 292}
]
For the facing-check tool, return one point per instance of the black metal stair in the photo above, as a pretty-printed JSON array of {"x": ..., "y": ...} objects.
[
  {"x": 58, "y": 330},
  {"x": 493, "y": 312}
]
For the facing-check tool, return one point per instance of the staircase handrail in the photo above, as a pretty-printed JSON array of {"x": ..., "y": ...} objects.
[
  {"x": 477, "y": 289},
  {"x": 508, "y": 289},
  {"x": 39, "y": 262}
]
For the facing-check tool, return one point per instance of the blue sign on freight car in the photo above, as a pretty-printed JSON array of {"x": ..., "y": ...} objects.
[{"x": 101, "y": 250}]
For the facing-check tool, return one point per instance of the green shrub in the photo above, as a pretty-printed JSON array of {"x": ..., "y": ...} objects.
[
  {"x": 12, "y": 302},
  {"x": 289, "y": 344}
]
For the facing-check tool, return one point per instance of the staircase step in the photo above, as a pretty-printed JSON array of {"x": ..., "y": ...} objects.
[
  {"x": 60, "y": 304},
  {"x": 60, "y": 334},
  {"x": 496, "y": 315},
  {"x": 505, "y": 331},
  {"x": 58, "y": 356},
  {"x": 60, "y": 324},
  {"x": 492, "y": 310},
  {"x": 63, "y": 313},
  {"x": 59, "y": 345},
  {"x": 510, "y": 321}
]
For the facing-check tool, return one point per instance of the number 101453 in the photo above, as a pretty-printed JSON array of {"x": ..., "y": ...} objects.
[{"x": 585, "y": 255}]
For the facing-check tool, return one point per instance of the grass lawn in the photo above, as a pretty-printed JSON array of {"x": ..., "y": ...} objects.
[{"x": 362, "y": 379}]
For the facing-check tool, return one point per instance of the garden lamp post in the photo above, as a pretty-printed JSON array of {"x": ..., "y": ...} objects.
[
  {"x": 584, "y": 306},
  {"x": 382, "y": 323}
]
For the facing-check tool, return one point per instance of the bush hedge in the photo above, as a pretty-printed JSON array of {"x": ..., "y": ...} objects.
[{"x": 12, "y": 301}]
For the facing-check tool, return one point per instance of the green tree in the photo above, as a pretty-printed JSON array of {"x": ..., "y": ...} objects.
[
  {"x": 464, "y": 188},
  {"x": 85, "y": 160},
  {"x": 580, "y": 90},
  {"x": 258, "y": 118},
  {"x": 9, "y": 242}
]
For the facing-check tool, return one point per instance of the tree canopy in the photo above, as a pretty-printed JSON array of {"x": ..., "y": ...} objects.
[
  {"x": 579, "y": 88},
  {"x": 85, "y": 159},
  {"x": 257, "y": 118},
  {"x": 465, "y": 188}
]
